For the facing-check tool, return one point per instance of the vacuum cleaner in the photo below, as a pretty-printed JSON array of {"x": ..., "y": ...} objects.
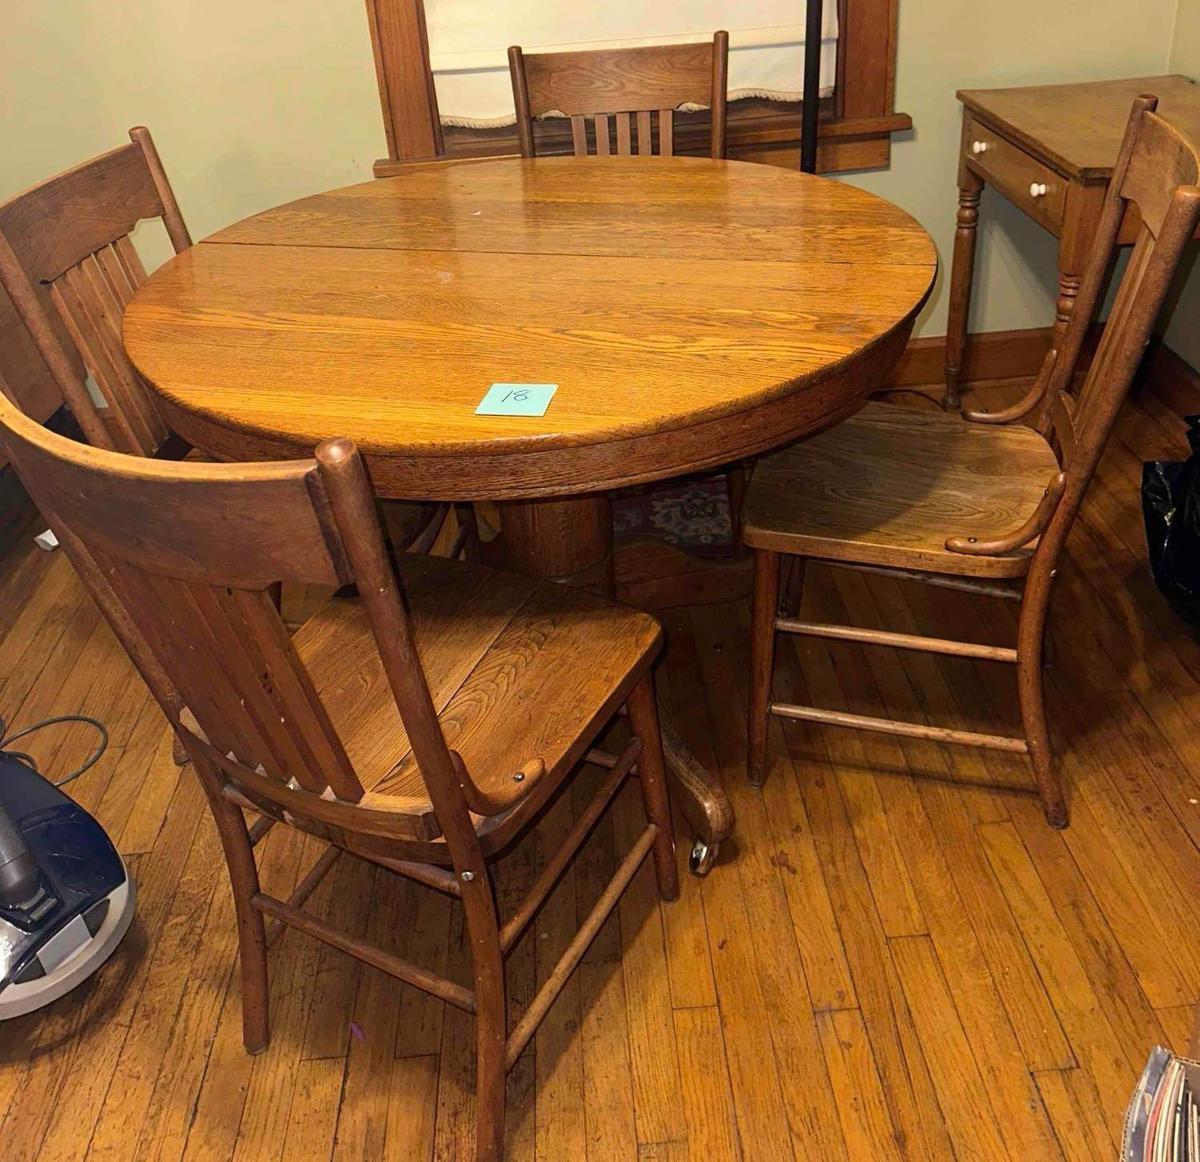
[{"x": 66, "y": 898}]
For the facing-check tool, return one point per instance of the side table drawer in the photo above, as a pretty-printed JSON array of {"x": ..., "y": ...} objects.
[{"x": 1035, "y": 187}]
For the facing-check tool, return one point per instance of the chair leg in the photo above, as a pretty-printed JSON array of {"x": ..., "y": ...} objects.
[
  {"x": 491, "y": 1020},
  {"x": 464, "y": 513},
  {"x": 793, "y": 587},
  {"x": 652, "y": 774},
  {"x": 762, "y": 660},
  {"x": 1030, "y": 640},
  {"x": 252, "y": 938},
  {"x": 735, "y": 492}
]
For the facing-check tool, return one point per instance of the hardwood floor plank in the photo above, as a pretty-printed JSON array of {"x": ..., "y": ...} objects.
[
  {"x": 364, "y": 1125},
  {"x": 57, "y": 602},
  {"x": 749, "y": 1049},
  {"x": 899, "y": 1056},
  {"x": 1082, "y": 1126},
  {"x": 609, "y": 1108},
  {"x": 412, "y": 1104},
  {"x": 858, "y": 1096},
  {"x": 1103, "y": 948},
  {"x": 1111, "y": 1063},
  {"x": 221, "y": 1098},
  {"x": 1177, "y": 1024},
  {"x": 314, "y": 1109},
  {"x": 785, "y": 991},
  {"x": 558, "y": 1054},
  {"x": 944, "y": 850},
  {"x": 655, "y": 1068},
  {"x": 785, "y": 840},
  {"x": 947, "y": 1050},
  {"x": 712, "y": 1134},
  {"x": 162, "y": 778},
  {"x": 345, "y": 900},
  {"x": 815, "y": 680}
]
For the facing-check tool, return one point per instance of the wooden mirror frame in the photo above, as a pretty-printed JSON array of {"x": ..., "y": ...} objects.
[{"x": 856, "y": 127}]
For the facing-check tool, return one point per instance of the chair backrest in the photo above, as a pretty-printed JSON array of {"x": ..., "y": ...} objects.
[
  {"x": 619, "y": 90},
  {"x": 1156, "y": 176},
  {"x": 181, "y": 557},
  {"x": 70, "y": 268}
]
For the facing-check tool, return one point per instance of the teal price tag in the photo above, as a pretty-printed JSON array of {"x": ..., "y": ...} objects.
[{"x": 516, "y": 399}]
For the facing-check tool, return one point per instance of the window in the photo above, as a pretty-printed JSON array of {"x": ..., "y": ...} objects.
[{"x": 444, "y": 88}]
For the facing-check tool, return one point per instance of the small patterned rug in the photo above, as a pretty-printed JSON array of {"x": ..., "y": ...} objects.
[{"x": 692, "y": 515}]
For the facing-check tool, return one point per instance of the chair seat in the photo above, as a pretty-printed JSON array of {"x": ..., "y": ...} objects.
[
  {"x": 519, "y": 670},
  {"x": 889, "y": 485}
]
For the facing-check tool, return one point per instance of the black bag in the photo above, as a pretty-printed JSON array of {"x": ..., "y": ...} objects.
[{"x": 1171, "y": 509}]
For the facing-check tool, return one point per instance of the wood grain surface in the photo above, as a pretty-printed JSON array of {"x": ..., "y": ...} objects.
[
  {"x": 884, "y": 487},
  {"x": 691, "y": 312},
  {"x": 1077, "y": 128},
  {"x": 911, "y": 964}
]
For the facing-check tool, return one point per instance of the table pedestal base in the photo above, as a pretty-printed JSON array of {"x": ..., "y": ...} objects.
[{"x": 571, "y": 541}]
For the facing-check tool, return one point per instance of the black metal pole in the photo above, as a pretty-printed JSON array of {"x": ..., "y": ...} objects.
[{"x": 813, "y": 23}]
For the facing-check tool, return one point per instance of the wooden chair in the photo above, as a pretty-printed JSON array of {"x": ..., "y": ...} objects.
[
  {"x": 966, "y": 506},
  {"x": 70, "y": 267},
  {"x": 65, "y": 245},
  {"x": 628, "y": 95},
  {"x": 627, "y": 85},
  {"x": 420, "y": 726}
]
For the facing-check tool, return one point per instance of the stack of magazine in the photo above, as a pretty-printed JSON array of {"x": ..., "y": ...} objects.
[{"x": 1163, "y": 1123}]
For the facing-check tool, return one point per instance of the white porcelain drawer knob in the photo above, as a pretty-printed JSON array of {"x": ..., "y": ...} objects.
[
  {"x": 978, "y": 147},
  {"x": 1037, "y": 190}
]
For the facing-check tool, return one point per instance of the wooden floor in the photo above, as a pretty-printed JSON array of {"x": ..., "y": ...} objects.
[{"x": 899, "y": 960}]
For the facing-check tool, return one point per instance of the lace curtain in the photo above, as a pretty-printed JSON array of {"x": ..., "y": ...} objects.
[{"x": 468, "y": 42}]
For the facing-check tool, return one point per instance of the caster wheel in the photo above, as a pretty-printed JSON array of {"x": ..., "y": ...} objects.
[{"x": 703, "y": 856}]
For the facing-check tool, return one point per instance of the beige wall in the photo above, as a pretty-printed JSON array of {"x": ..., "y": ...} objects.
[
  {"x": 251, "y": 102},
  {"x": 254, "y": 102},
  {"x": 1183, "y": 331}
]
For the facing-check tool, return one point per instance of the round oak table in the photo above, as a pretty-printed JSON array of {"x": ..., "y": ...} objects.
[{"x": 691, "y": 312}]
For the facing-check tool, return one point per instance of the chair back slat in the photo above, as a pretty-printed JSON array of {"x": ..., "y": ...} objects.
[
  {"x": 89, "y": 307},
  {"x": 645, "y": 137},
  {"x": 579, "y": 135},
  {"x": 624, "y": 135},
  {"x": 70, "y": 236},
  {"x": 181, "y": 558},
  {"x": 130, "y": 262},
  {"x": 630, "y": 83},
  {"x": 603, "y": 133},
  {"x": 666, "y": 132},
  {"x": 117, "y": 279}
]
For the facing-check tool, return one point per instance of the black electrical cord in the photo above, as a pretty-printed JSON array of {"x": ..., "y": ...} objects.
[{"x": 20, "y": 756}]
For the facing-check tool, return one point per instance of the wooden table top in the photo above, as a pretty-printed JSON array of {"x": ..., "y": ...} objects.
[
  {"x": 691, "y": 312},
  {"x": 1077, "y": 128}
]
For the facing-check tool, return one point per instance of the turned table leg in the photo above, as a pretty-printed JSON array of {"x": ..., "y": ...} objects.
[
  {"x": 571, "y": 541},
  {"x": 962, "y": 273}
]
